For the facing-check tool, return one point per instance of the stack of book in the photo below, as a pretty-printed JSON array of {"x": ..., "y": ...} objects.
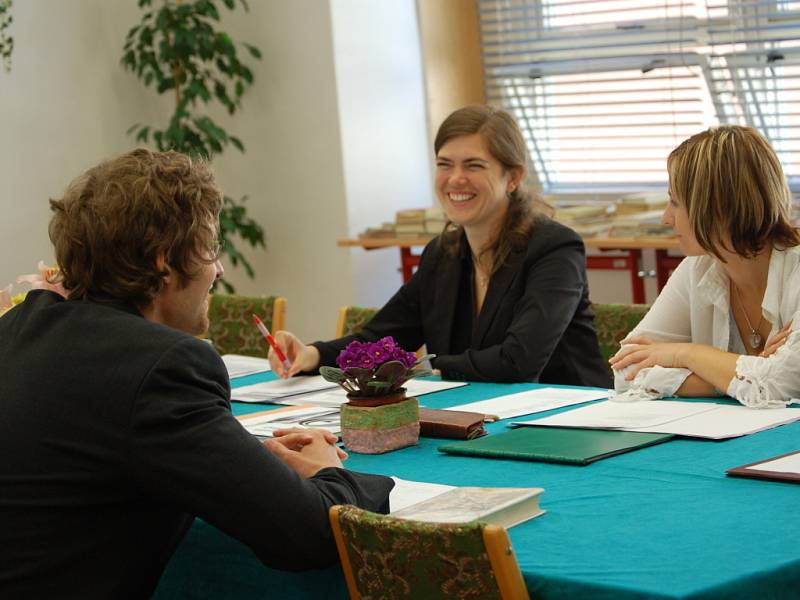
[
  {"x": 640, "y": 224},
  {"x": 386, "y": 230},
  {"x": 410, "y": 222},
  {"x": 588, "y": 218},
  {"x": 639, "y": 203},
  {"x": 435, "y": 220}
]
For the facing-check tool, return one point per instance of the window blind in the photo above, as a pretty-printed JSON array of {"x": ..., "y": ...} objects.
[{"x": 604, "y": 89}]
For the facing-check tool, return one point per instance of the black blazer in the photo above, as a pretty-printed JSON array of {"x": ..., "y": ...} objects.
[
  {"x": 114, "y": 433},
  {"x": 536, "y": 323}
]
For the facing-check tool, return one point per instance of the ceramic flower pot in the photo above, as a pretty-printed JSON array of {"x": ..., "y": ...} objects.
[{"x": 378, "y": 424}]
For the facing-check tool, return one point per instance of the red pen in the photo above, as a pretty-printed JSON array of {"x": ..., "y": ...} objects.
[{"x": 268, "y": 336}]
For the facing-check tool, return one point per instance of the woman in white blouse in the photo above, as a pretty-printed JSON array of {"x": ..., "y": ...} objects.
[{"x": 723, "y": 323}]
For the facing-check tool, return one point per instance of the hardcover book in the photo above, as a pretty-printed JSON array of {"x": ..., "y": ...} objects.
[
  {"x": 457, "y": 424},
  {"x": 505, "y": 507}
]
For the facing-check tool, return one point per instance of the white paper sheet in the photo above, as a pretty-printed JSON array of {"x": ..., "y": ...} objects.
[
  {"x": 337, "y": 396},
  {"x": 532, "y": 401},
  {"x": 239, "y": 365},
  {"x": 270, "y": 391},
  {"x": 693, "y": 419},
  {"x": 787, "y": 464},
  {"x": 727, "y": 421},
  {"x": 405, "y": 492},
  {"x": 265, "y": 423},
  {"x": 618, "y": 415}
]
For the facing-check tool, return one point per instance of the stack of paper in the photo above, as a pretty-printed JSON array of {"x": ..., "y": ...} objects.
[
  {"x": 532, "y": 401},
  {"x": 264, "y": 423},
  {"x": 693, "y": 419},
  {"x": 277, "y": 389},
  {"x": 315, "y": 390},
  {"x": 239, "y": 365}
]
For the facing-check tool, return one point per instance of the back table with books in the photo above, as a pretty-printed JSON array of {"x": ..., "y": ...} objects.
[{"x": 661, "y": 522}]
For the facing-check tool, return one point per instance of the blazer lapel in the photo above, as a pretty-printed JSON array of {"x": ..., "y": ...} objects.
[{"x": 498, "y": 286}]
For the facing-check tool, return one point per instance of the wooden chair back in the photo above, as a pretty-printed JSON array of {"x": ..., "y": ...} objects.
[
  {"x": 385, "y": 557},
  {"x": 613, "y": 323},
  {"x": 352, "y": 319},
  {"x": 231, "y": 328}
]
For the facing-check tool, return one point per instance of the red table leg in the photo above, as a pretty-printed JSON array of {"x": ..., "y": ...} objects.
[
  {"x": 665, "y": 264},
  {"x": 407, "y": 263}
]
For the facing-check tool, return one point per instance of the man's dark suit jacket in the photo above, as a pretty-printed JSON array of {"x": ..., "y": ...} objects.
[
  {"x": 114, "y": 433},
  {"x": 536, "y": 323}
]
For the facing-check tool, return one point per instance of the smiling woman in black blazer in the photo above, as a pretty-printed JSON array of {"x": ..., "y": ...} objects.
[{"x": 501, "y": 295}]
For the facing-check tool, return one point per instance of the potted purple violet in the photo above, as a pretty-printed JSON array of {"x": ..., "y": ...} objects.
[{"x": 377, "y": 417}]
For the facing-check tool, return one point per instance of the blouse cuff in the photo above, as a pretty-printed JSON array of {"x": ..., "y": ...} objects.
[
  {"x": 748, "y": 385},
  {"x": 649, "y": 384}
]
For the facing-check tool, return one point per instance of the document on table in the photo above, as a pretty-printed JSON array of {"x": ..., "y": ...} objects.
[
  {"x": 264, "y": 423},
  {"x": 692, "y": 419},
  {"x": 532, "y": 401},
  {"x": 239, "y": 365},
  {"x": 277, "y": 389},
  {"x": 337, "y": 396}
]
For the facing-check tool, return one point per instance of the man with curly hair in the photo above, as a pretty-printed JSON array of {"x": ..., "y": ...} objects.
[{"x": 116, "y": 429}]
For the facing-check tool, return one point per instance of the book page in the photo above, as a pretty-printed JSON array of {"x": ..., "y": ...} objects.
[
  {"x": 464, "y": 504},
  {"x": 269, "y": 391},
  {"x": 239, "y": 365},
  {"x": 405, "y": 492},
  {"x": 263, "y": 424},
  {"x": 786, "y": 464},
  {"x": 532, "y": 401}
]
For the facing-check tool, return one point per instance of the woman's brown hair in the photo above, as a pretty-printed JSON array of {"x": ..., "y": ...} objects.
[
  {"x": 117, "y": 220},
  {"x": 506, "y": 144},
  {"x": 733, "y": 187}
]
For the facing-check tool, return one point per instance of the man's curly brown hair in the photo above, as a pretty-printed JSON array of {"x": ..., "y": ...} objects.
[{"x": 117, "y": 219}]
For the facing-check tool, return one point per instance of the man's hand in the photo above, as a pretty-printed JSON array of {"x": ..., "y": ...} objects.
[
  {"x": 306, "y": 451},
  {"x": 642, "y": 352},
  {"x": 300, "y": 356}
]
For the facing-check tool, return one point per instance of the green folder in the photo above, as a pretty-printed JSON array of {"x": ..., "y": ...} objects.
[{"x": 556, "y": 444}]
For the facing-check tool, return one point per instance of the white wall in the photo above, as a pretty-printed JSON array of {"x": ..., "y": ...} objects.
[
  {"x": 334, "y": 130},
  {"x": 387, "y": 161},
  {"x": 65, "y": 104}
]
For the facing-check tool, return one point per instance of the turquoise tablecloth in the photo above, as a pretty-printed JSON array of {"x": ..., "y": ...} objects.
[{"x": 662, "y": 522}]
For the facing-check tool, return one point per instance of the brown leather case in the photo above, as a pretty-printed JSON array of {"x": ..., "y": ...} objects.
[{"x": 455, "y": 424}]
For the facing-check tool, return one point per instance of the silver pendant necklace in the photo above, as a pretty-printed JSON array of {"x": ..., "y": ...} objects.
[{"x": 754, "y": 339}]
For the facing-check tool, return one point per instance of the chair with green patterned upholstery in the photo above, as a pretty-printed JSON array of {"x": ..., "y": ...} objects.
[
  {"x": 352, "y": 319},
  {"x": 385, "y": 557},
  {"x": 231, "y": 328},
  {"x": 613, "y": 322}
]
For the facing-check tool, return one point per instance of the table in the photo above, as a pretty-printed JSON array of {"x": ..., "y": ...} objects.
[
  {"x": 662, "y": 522},
  {"x": 627, "y": 257}
]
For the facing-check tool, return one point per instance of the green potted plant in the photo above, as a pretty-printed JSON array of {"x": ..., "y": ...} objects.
[{"x": 178, "y": 49}]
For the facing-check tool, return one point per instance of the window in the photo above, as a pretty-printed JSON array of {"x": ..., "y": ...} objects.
[{"x": 604, "y": 89}]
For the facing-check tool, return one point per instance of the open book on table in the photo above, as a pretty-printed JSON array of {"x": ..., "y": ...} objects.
[{"x": 438, "y": 503}]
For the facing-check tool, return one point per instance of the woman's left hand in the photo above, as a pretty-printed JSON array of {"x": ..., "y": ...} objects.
[{"x": 643, "y": 352}]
